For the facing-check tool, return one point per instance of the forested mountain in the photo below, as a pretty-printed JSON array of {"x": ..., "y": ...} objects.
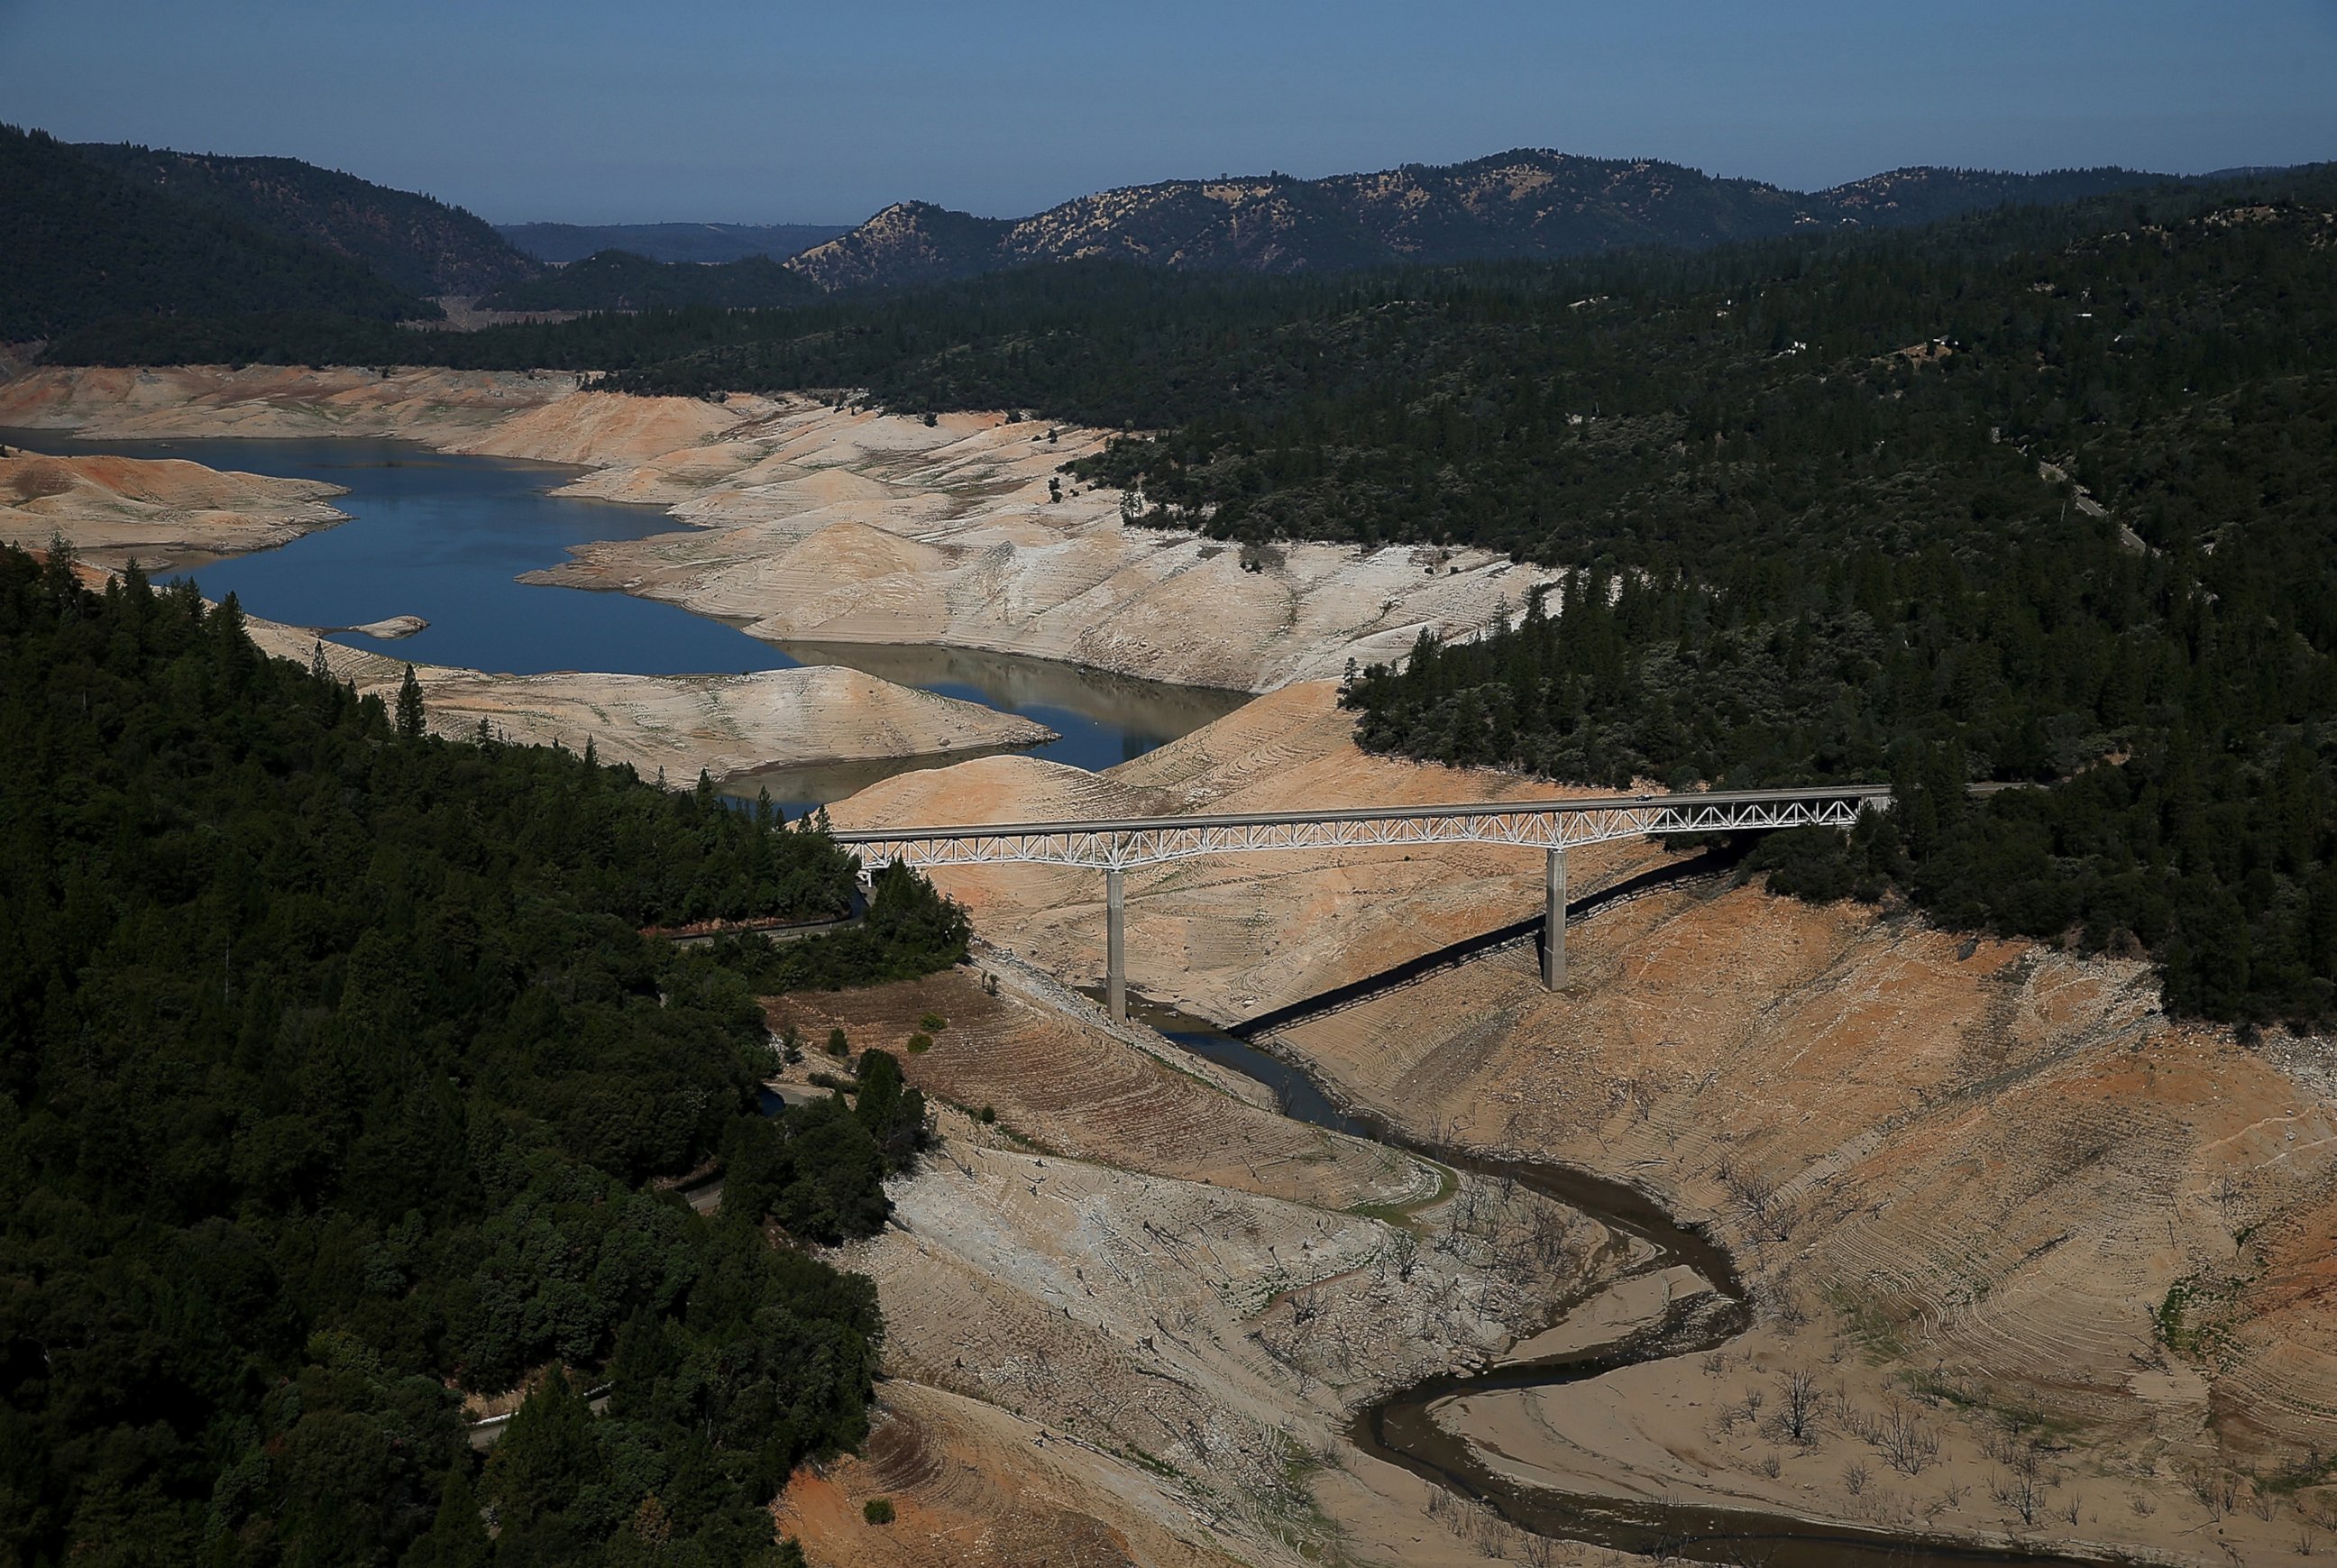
[
  {"x": 564, "y": 243},
  {"x": 1527, "y": 203},
  {"x": 417, "y": 243},
  {"x": 333, "y": 1075},
  {"x": 79, "y": 242},
  {"x": 620, "y": 280}
]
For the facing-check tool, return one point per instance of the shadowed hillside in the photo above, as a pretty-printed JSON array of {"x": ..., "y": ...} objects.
[
  {"x": 84, "y": 243},
  {"x": 416, "y": 242}
]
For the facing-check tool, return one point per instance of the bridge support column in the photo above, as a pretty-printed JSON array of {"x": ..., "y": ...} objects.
[
  {"x": 1553, "y": 923},
  {"x": 1115, "y": 945}
]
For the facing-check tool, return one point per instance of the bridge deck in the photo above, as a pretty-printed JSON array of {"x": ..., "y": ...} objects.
[
  {"x": 1863, "y": 793},
  {"x": 1116, "y": 845}
]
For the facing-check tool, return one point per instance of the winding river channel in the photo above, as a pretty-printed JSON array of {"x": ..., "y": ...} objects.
[{"x": 1402, "y": 1429}]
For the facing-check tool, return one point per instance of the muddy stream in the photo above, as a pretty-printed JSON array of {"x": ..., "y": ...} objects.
[{"x": 1401, "y": 1427}]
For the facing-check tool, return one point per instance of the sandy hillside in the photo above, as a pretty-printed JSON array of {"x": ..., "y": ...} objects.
[
  {"x": 1987, "y": 1196},
  {"x": 1230, "y": 937},
  {"x": 1128, "y": 1319},
  {"x": 273, "y": 400},
  {"x": 111, "y": 509},
  {"x": 679, "y": 724},
  {"x": 846, "y": 526},
  {"x": 831, "y": 525}
]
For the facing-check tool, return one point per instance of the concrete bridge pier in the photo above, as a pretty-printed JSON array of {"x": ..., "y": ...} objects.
[
  {"x": 1553, "y": 922},
  {"x": 1115, "y": 945}
]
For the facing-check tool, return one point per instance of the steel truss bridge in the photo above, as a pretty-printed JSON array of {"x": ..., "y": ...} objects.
[{"x": 1115, "y": 846}]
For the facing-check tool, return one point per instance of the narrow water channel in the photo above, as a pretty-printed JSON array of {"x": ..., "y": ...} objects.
[
  {"x": 1401, "y": 1427},
  {"x": 445, "y": 537}
]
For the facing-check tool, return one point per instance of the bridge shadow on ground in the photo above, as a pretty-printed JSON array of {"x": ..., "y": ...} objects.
[{"x": 1716, "y": 861}]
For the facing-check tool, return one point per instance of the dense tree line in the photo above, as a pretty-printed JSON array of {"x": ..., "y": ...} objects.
[
  {"x": 1861, "y": 570},
  {"x": 621, "y": 280},
  {"x": 336, "y": 1080},
  {"x": 410, "y": 240},
  {"x": 85, "y": 243}
]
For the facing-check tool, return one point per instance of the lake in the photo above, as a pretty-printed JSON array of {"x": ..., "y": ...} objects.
[{"x": 444, "y": 536}]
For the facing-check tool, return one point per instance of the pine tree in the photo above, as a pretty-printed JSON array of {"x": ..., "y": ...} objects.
[
  {"x": 409, "y": 707},
  {"x": 548, "y": 1454},
  {"x": 458, "y": 1538}
]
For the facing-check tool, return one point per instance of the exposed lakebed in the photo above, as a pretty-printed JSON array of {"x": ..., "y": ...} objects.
[
  {"x": 1403, "y": 1427},
  {"x": 445, "y": 537}
]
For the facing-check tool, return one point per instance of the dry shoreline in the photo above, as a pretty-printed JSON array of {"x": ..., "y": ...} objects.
[
  {"x": 803, "y": 522},
  {"x": 112, "y": 510},
  {"x": 676, "y": 726}
]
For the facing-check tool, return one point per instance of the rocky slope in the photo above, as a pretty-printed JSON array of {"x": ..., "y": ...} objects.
[
  {"x": 437, "y": 407},
  {"x": 2010, "y": 1221},
  {"x": 159, "y": 511},
  {"x": 1529, "y": 203}
]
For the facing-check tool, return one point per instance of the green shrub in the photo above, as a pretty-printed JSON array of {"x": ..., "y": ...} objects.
[{"x": 879, "y": 1510}]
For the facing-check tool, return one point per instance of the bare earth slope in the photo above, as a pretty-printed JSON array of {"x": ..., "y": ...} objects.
[
  {"x": 1984, "y": 1192},
  {"x": 111, "y": 509},
  {"x": 682, "y": 724},
  {"x": 838, "y": 526},
  {"x": 1126, "y": 1323},
  {"x": 827, "y": 525}
]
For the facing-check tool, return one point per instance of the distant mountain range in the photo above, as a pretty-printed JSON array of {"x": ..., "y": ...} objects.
[
  {"x": 97, "y": 229},
  {"x": 562, "y": 242},
  {"x": 1527, "y": 203},
  {"x": 621, "y": 280}
]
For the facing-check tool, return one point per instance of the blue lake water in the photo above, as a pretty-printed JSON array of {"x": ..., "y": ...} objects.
[{"x": 444, "y": 537}]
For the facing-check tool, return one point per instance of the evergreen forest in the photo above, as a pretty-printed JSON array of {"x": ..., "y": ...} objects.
[
  {"x": 87, "y": 243},
  {"x": 336, "y": 1083}
]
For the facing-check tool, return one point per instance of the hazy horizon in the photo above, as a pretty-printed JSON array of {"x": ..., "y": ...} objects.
[{"x": 729, "y": 112}]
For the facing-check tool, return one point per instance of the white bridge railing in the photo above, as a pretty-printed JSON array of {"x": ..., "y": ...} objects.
[
  {"x": 1113, "y": 846},
  {"x": 1120, "y": 845}
]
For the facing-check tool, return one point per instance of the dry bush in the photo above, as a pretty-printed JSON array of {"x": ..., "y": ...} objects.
[
  {"x": 1908, "y": 1445},
  {"x": 2017, "y": 1494},
  {"x": 1797, "y": 1410}
]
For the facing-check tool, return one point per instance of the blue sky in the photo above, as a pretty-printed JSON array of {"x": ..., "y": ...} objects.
[{"x": 596, "y": 110}]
